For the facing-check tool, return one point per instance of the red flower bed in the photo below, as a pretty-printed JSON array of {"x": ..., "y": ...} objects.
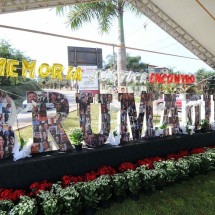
[
  {"x": 90, "y": 176},
  {"x": 37, "y": 186},
  {"x": 67, "y": 180},
  {"x": 106, "y": 170},
  {"x": 126, "y": 166},
  {"x": 11, "y": 194},
  {"x": 14, "y": 195},
  {"x": 146, "y": 162},
  {"x": 197, "y": 151}
]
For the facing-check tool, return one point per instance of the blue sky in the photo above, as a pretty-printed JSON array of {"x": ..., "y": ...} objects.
[{"x": 46, "y": 49}]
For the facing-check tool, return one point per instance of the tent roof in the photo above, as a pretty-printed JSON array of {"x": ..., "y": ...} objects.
[{"x": 190, "y": 22}]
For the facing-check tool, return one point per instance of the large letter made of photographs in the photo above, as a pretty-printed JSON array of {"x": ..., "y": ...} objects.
[
  {"x": 44, "y": 126},
  {"x": 7, "y": 119},
  {"x": 128, "y": 107},
  {"x": 170, "y": 114},
  {"x": 84, "y": 99}
]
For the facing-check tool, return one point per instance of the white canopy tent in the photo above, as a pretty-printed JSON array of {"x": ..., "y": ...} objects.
[{"x": 190, "y": 22}]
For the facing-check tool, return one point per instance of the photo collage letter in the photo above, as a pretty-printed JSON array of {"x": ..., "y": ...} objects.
[
  {"x": 170, "y": 114},
  {"x": 84, "y": 100},
  {"x": 207, "y": 99},
  {"x": 48, "y": 130},
  {"x": 190, "y": 108},
  {"x": 7, "y": 137},
  {"x": 146, "y": 105},
  {"x": 128, "y": 107}
]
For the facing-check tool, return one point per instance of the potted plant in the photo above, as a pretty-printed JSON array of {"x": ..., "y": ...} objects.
[
  {"x": 26, "y": 205},
  {"x": 77, "y": 137},
  {"x": 105, "y": 190},
  {"x": 204, "y": 125},
  {"x": 120, "y": 187},
  {"x": 134, "y": 183},
  {"x": 71, "y": 200},
  {"x": 161, "y": 129},
  {"x": 95, "y": 192}
]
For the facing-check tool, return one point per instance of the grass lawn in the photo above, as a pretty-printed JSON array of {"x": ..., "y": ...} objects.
[
  {"x": 192, "y": 197},
  {"x": 72, "y": 121}
]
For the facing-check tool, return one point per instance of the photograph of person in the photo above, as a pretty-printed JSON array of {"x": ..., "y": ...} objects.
[
  {"x": 77, "y": 97},
  {"x": 32, "y": 96},
  {"x": 37, "y": 137},
  {"x": 52, "y": 121},
  {"x": 45, "y": 125},
  {"x": 6, "y": 118},
  {"x": 88, "y": 108},
  {"x": 11, "y": 144},
  {"x": 60, "y": 129},
  {"x": 89, "y": 98},
  {"x": 4, "y": 98},
  {"x": 43, "y": 97},
  {"x": 8, "y": 132},
  {"x": 109, "y": 98},
  {"x": 1, "y": 129},
  {"x": 42, "y": 109},
  {"x": 57, "y": 139},
  {"x": 36, "y": 119},
  {"x": 44, "y": 135},
  {"x": 6, "y": 108},
  {"x": 65, "y": 141},
  {"x": 36, "y": 128},
  {"x": 100, "y": 140},
  {"x": 53, "y": 97},
  {"x": 122, "y": 90},
  {"x": 2, "y": 145},
  {"x": 35, "y": 148},
  {"x": 53, "y": 130},
  {"x": 64, "y": 105},
  {"x": 1, "y": 118},
  {"x": 46, "y": 146}
]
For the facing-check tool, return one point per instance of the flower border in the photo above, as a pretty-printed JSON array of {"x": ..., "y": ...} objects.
[{"x": 162, "y": 170}]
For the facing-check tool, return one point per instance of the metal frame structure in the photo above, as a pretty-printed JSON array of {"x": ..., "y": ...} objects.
[
  {"x": 9, "y": 6},
  {"x": 147, "y": 7},
  {"x": 154, "y": 13}
]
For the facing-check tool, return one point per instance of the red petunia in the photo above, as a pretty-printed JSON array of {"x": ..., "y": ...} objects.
[
  {"x": 17, "y": 194},
  {"x": 197, "y": 151},
  {"x": 42, "y": 185},
  {"x": 145, "y": 162},
  {"x": 106, "y": 170},
  {"x": 90, "y": 176},
  {"x": 126, "y": 166}
]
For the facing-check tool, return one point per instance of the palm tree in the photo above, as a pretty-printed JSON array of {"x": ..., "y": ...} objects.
[{"x": 105, "y": 12}]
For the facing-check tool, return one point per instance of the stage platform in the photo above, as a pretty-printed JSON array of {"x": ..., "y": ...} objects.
[{"x": 52, "y": 166}]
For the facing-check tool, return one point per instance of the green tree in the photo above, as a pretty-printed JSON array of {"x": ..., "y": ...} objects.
[
  {"x": 104, "y": 12},
  {"x": 110, "y": 62},
  {"x": 134, "y": 63},
  {"x": 205, "y": 81},
  {"x": 8, "y": 52}
]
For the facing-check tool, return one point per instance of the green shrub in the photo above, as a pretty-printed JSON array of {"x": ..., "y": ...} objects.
[{"x": 26, "y": 206}]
